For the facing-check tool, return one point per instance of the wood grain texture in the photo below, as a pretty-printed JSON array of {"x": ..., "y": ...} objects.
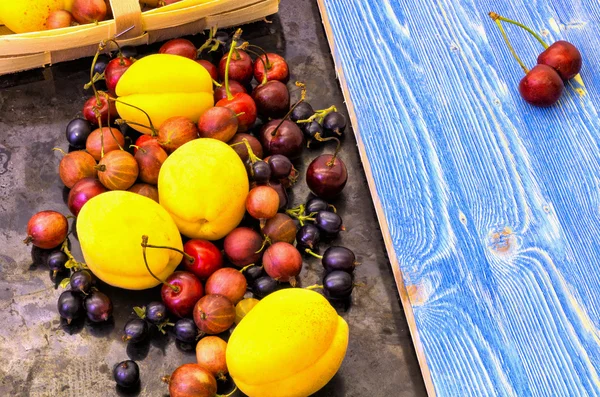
[{"x": 491, "y": 207}]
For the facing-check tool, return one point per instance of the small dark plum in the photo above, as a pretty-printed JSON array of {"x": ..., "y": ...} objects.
[
  {"x": 281, "y": 192},
  {"x": 136, "y": 330},
  {"x": 302, "y": 112},
  {"x": 186, "y": 330},
  {"x": 316, "y": 205},
  {"x": 329, "y": 223},
  {"x": 264, "y": 286},
  {"x": 338, "y": 285},
  {"x": 98, "y": 306},
  {"x": 56, "y": 261},
  {"x": 101, "y": 63},
  {"x": 339, "y": 258},
  {"x": 542, "y": 86},
  {"x": 334, "y": 124},
  {"x": 70, "y": 305},
  {"x": 311, "y": 130},
  {"x": 77, "y": 132},
  {"x": 281, "y": 166},
  {"x": 156, "y": 312},
  {"x": 127, "y": 374},
  {"x": 563, "y": 57},
  {"x": 82, "y": 281},
  {"x": 129, "y": 52},
  {"x": 308, "y": 237},
  {"x": 252, "y": 273},
  {"x": 261, "y": 172}
]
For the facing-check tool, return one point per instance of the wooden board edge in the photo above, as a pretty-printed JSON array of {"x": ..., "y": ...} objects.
[{"x": 404, "y": 297}]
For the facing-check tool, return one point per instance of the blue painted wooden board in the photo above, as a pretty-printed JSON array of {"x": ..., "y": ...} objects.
[{"x": 490, "y": 207}]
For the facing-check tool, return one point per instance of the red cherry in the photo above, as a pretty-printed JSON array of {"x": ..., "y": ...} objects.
[
  {"x": 240, "y": 67},
  {"x": 288, "y": 140},
  {"x": 563, "y": 57},
  {"x": 272, "y": 99},
  {"x": 114, "y": 70},
  {"x": 210, "y": 68},
  {"x": 234, "y": 87},
  {"x": 241, "y": 103},
  {"x": 181, "y": 293},
  {"x": 181, "y": 47},
  {"x": 542, "y": 86},
  {"x": 102, "y": 106},
  {"x": 207, "y": 258},
  {"x": 276, "y": 70}
]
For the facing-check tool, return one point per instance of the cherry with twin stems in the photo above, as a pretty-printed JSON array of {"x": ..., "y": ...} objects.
[
  {"x": 241, "y": 103},
  {"x": 182, "y": 289},
  {"x": 543, "y": 85}
]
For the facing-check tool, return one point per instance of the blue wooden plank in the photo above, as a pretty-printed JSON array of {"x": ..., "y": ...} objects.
[{"x": 491, "y": 206}]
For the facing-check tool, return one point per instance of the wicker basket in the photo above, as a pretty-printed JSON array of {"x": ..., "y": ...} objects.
[{"x": 31, "y": 50}]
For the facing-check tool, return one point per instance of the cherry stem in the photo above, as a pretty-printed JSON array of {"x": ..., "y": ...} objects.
[
  {"x": 331, "y": 138},
  {"x": 510, "y": 47},
  {"x": 236, "y": 37},
  {"x": 57, "y": 149},
  {"x": 152, "y": 128},
  {"x": 94, "y": 61},
  {"x": 497, "y": 17},
  {"x": 314, "y": 287},
  {"x": 308, "y": 251},
  {"x": 145, "y": 245},
  {"x": 216, "y": 83},
  {"x": 264, "y": 79},
  {"x": 302, "y": 86},
  {"x": 268, "y": 64},
  {"x": 97, "y": 77},
  {"x": 122, "y": 121}
]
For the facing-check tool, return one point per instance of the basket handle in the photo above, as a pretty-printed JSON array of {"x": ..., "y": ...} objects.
[{"x": 127, "y": 13}]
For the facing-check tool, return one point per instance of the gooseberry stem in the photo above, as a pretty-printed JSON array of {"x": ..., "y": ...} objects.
[
  {"x": 308, "y": 251},
  {"x": 76, "y": 264},
  {"x": 314, "y": 287},
  {"x": 236, "y": 37},
  {"x": 57, "y": 149},
  {"x": 497, "y": 17},
  {"x": 319, "y": 115}
]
